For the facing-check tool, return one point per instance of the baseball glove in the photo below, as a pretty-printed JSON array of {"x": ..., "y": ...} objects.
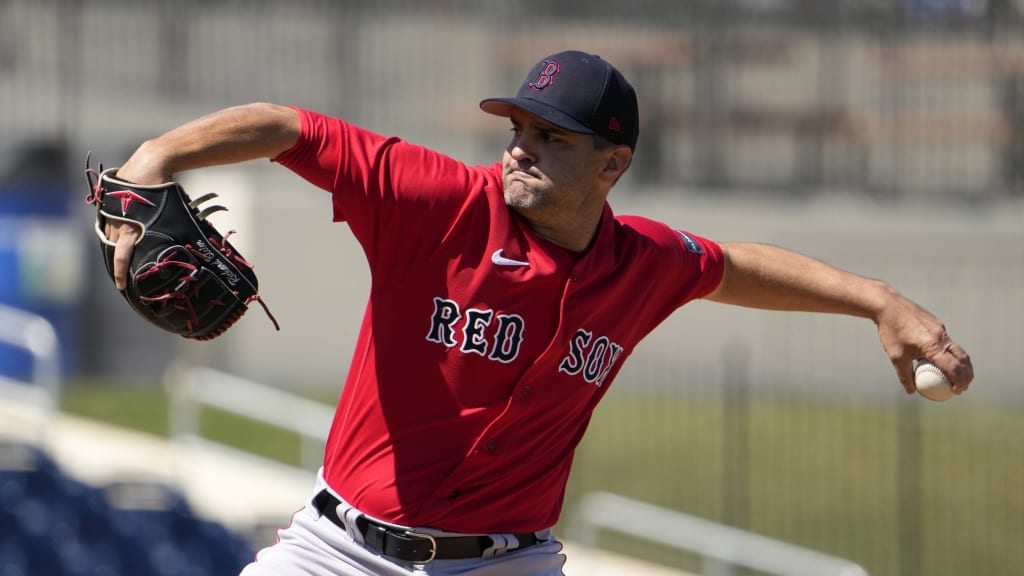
[{"x": 184, "y": 276}]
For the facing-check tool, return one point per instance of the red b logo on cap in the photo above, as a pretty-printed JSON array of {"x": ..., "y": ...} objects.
[{"x": 548, "y": 69}]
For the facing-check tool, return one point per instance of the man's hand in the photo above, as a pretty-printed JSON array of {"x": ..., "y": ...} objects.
[
  {"x": 141, "y": 168},
  {"x": 909, "y": 332}
]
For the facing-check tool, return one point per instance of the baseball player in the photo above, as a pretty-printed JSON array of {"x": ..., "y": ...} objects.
[{"x": 504, "y": 301}]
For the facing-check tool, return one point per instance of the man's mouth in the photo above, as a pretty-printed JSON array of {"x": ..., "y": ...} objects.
[{"x": 520, "y": 174}]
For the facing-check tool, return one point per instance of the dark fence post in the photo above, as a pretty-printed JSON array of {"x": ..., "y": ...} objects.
[
  {"x": 908, "y": 481},
  {"x": 736, "y": 435}
]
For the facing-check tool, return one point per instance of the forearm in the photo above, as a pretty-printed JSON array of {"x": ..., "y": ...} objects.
[
  {"x": 762, "y": 276},
  {"x": 231, "y": 135}
]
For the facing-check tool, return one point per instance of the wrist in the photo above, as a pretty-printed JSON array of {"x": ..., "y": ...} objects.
[
  {"x": 147, "y": 166},
  {"x": 879, "y": 297}
]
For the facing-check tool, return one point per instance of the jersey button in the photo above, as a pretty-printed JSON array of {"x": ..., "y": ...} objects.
[
  {"x": 492, "y": 445},
  {"x": 526, "y": 391}
]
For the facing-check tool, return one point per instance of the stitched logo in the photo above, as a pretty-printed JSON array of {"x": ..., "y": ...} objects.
[
  {"x": 690, "y": 243},
  {"x": 548, "y": 70},
  {"x": 500, "y": 260},
  {"x": 127, "y": 197},
  {"x": 614, "y": 125}
]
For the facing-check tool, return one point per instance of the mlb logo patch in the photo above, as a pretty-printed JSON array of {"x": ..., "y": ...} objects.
[{"x": 691, "y": 244}]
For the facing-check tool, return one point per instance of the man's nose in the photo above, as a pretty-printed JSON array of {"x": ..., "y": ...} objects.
[{"x": 520, "y": 151}]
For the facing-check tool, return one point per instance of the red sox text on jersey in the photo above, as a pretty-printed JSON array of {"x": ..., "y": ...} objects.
[{"x": 592, "y": 358}]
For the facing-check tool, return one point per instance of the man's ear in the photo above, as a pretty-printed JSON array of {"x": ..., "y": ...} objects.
[{"x": 616, "y": 163}]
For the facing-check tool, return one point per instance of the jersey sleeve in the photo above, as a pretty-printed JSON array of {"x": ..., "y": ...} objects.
[
  {"x": 679, "y": 266},
  {"x": 383, "y": 187},
  {"x": 704, "y": 259}
]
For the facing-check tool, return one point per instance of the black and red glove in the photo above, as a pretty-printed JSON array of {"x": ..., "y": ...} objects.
[{"x": 184, "y": 275}]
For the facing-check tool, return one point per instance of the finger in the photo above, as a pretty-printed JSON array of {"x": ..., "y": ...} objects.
[
  {"x": 123, "y": 255},
  {"x": 956, "y": 363},
  {"x": 905, "y": 372},
  {"x": 112, "y": 232},
  {"x": 966, "y": 375}
]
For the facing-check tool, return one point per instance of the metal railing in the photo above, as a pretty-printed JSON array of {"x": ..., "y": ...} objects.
[
  {"x": 190, "y": 388},
  {"x": 722, "y": 548},
  {"x": 35, "y": 335}
]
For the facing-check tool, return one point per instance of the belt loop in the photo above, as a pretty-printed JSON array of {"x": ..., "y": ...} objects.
[
  {"x": 501, "y": 544},
  {"x": 349, "y": 517}
]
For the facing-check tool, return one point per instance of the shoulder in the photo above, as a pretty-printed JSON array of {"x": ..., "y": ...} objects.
[
  {"x": 645, "y": 231},
  {"x": 661, "y": 245},
  {"x": 695, "y": 262}
]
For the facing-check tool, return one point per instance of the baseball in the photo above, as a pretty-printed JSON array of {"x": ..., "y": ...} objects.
[{"x": 931, "y": 382}]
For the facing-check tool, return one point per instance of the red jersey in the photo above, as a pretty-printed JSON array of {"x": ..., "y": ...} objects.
[{"x": 484, "y": 348}]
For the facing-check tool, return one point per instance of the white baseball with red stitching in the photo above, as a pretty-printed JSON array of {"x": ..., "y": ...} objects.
[{"x": 931, "y": 382}]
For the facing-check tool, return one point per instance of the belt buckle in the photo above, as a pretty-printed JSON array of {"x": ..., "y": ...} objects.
[{"x": 429, "y": 538}]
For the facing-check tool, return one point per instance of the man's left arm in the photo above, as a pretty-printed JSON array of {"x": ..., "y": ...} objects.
[{"x": 766, "y": 277}]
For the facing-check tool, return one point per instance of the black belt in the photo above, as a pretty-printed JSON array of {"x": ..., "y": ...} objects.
[{"x": 413, "y": 546}]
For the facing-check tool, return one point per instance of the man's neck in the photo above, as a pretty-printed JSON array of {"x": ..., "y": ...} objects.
[{"x": 576, "y": 237}]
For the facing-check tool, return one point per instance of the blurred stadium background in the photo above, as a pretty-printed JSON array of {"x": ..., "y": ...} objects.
[{"x": 882, "y": 136}]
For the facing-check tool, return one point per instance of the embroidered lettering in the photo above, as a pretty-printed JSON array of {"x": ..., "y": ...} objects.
[
  {"x": 446, "y": 314},
  {"x": 594, "y": 361},
  {"x": 446, "y": 325},
  {"x": 548, "y": 70},
  {"x": 509, "y": 338},
  {"x": 573, "y": 363},
  {"x": 473, "y": 332}
]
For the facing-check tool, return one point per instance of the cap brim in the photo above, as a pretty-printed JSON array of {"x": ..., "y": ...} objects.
[{"x": 504, "y": 106}]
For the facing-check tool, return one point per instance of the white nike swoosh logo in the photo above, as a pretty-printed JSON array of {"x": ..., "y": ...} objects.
[{"x": 500, "y": 260}]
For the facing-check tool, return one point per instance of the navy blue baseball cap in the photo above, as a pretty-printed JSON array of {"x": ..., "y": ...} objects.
[{"x": 578, "y": 92}]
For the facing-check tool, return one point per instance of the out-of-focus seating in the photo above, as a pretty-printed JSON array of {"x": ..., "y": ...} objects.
[{"x": 51, "y": 523}]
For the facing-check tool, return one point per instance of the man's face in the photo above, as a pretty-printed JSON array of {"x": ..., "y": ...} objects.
[{"x": 550, "y": 174}]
